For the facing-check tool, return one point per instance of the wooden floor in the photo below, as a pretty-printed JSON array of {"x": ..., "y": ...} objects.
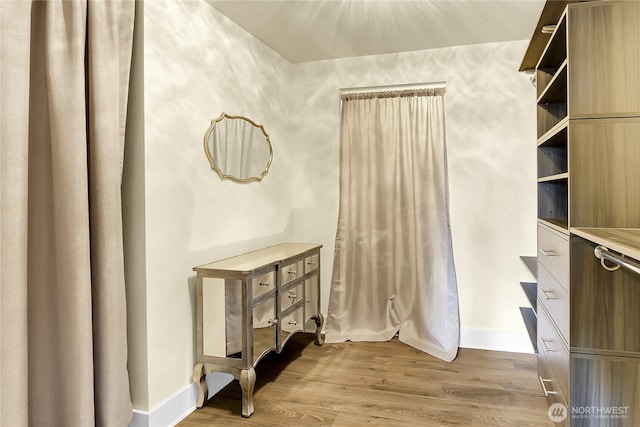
[{"x": 383, "y": 384}]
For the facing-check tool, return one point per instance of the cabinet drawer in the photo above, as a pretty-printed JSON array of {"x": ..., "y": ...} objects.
[
  {"x": 291, "y": 296},
  {"x": 311, "y": 263},
  {"x": 264, "y": 283},
  {"x": 553, "y": 254},
  {"x": 548, "y": 381},
  {"x": 292, "y": 271},
  {"x": 555, "y": 354},
  {"x": 293, "y": 321},
  {"x": 311, "y": 297},
  {"x": 555, "y": 299}
]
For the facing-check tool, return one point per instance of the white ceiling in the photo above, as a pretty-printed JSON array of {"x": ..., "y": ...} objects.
[{"x": 310, "y": 30}]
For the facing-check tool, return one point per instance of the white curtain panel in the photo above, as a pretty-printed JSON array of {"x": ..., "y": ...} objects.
[
  {"x": 64, "y": 82},
  {"x": 393, "y": 267}
]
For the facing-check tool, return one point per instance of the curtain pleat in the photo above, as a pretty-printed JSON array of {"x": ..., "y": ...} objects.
[
  {"x": 393, "y": 261},
  {"x": 68, "y": 126},
  {"x": 108, "y": 66},
  {"x": 14, "y": 156}
]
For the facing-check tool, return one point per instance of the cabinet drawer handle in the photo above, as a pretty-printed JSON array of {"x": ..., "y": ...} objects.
[
  {"x": 547, "y": 349},
  {"x": 548, "y": 252},
  {"x": 263, "y": 283},
  {"x": 311, "y": 263},
  {"x": 547, "y": 393},
  {"x": 292, "y": 272},
  {"x": 293, "y": 322},
  {"x": 547, "y": 292},
  {"x": 292, "y": 295},
  {"x": 272, "y": 321}
]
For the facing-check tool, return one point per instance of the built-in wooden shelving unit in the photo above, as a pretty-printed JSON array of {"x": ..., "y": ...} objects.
[{"x": 588, "y": 182}]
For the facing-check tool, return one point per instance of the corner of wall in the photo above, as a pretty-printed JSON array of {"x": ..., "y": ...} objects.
[
  {"x": 180, "y": 405},
  {"x": 133, "y": 213},
  {"x": 495, "y": 340}
]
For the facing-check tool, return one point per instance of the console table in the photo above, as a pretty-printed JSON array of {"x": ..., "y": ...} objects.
[{"x": 250, "y": 305}]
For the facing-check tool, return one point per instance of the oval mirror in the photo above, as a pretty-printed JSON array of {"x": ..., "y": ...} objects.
[{"x": 238, "y": 149}]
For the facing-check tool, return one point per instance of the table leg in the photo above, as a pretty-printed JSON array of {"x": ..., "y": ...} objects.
[
  {"x": 247, "y": 382},
  {"x": 319, "y": 322},
  {"x": 200, "y": 380}
]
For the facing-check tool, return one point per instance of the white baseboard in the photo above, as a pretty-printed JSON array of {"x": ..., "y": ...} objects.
[
  {"x": 491, "y": 339},
  {"x": 179, "y": 406}
]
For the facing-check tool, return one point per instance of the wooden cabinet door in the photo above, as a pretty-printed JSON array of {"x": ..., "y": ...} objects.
[
  {"x": 605, "y": 391},
  {"x": 604, "y": 59},
  {"x": 604, "y": 177},
  {"x": 604, "y": 304}
]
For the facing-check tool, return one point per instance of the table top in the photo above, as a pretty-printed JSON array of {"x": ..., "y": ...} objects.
[{"x": 256, "y": 260}]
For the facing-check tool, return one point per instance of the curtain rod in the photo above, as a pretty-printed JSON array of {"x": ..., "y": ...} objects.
[
  {"x": 603, "y": 253},
  {"x": 409, "y": 86}
]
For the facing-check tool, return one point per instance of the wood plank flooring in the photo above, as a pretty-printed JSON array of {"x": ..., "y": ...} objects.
[{"x": 383, "y": 384}]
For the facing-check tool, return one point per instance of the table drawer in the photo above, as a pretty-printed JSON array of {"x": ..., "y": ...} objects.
[
  {"x": 264, "y": 283},
  {"x": 291, "y": 271},
  {"x": 553, "y": 254},
  {"x": 555, "y": 299},
  {"x": 311, "y": 263},
  {"x": 293, "y": 321},
  {"x": 291, "y": 296},
  {"x": 556, "y": 355},
  {"x": 311, "y": 297}
]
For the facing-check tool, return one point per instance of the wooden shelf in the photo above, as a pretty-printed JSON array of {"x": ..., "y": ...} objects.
[
  {"x": 588, "y": 128},
  {"x": 555, "y": 52},
  {"x": 531, "y": 291},
  {"x": 550, "y": 15},
  {"x": 556, "y": 137},
  {"x": 550, "y": 115},
  {"x": 531, "y": 323},
  {"x": 558, "y": 127},
  {"x": 553, "y": 155},
  {"x": 552, "y": 178},
  {"x": 623, "y": 240},
  {"x": 553, "y": 199},
  {"x": 551, "y": 76},
  {"x": 556, "y": 90},
  {"x": 532, "y": 264},
  {"x": 553, "y": 152}
]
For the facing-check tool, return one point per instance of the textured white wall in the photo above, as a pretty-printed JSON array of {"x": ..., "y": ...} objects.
[
  {"x": 198, "y": 64},
  {"x": 490, "y": 120}
]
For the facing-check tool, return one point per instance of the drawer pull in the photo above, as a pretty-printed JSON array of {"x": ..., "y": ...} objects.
[
  {"x": 292, "y": 295},
  {"x": 311, "y": 263},
  {"x": 264, "y": 283},
  {"x": 548, "y": 252},
  {"x": 292, "y": 272},
  {"x": 547, "y": 349},
  {"x": 293, "y": 322},
  {"x": 548, "y": 294},
  {"x": 547, "y": 393},
  {"x": 272, "y": 322}
]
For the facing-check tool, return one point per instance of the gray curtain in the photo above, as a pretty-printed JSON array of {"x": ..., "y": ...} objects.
[
  {"x": 393, "y": 263},
  {"x": 64, "y": 82}
]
